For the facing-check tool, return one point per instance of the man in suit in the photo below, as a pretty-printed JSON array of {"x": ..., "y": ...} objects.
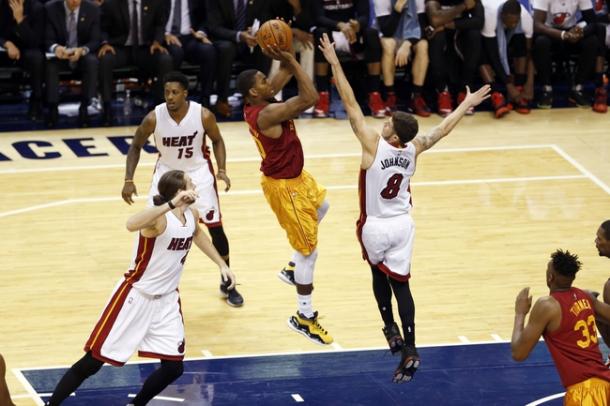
[
  {"x": 186, "y": 38},
  {"x": 21, "y": 25},
  {"x": 230, "y": 23},
  {"x": 73, "y": 35},
  {"x": 132, "y": 34}
]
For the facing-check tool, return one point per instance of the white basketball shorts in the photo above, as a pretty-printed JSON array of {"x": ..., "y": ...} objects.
[
  {"x": 133, "y": 320},
  {"x": 388, "y": 244}
]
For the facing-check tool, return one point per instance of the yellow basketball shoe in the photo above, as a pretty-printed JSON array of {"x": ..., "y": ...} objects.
[{"x": 310, "y": 328}]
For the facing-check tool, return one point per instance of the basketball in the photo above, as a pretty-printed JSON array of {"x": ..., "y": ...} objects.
[{"x": 275, "y": 32}]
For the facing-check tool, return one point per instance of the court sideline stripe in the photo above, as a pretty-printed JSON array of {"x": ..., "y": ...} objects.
[
  {"x": 581, "y": 168},
  {"x": 28, "y": 387},
  {"x": 257, "y": 159},
  {"x": 546, "y": 399},
  {"x": 334, "y": 187}
]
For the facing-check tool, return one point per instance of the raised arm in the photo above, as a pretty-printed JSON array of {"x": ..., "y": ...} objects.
[
  {"x": 203, "y": 242},
  {"x": 276, "y": 113},
  {"x": 151, "y": 221},
  {"x": 218, "y": 144},
  {"x": 524, "y": 339},
  {"x": 367, "y": 136},
  {"x": 425, "y": 142},
  {"x": 440, "y": 16},
  {"x": 143, "y": 131}
]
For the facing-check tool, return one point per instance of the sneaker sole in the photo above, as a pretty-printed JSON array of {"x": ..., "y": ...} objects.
[
  {"x": 304, "y": 334},
  {"x": 285, "y": 279}
]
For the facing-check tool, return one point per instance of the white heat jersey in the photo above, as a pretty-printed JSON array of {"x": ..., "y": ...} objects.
[
  {"x": 181, "y": 146},
  {"x": 157, "y": 262},
  {"x": 384, "y": 187}
]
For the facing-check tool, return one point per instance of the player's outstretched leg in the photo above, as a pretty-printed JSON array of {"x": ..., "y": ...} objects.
[
  {"x": 158, "y": 380},
  {"x": 74, "y": 377},
  {"x": 221, "y": 243},
  {"x": 409, "y": 362}
]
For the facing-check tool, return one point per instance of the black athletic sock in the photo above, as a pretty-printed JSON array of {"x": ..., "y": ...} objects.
[
  {"x": 159, "y": 380},
  {"x": 406, "y": 309},
  {"x": 520, "y": 79},
  {"x": 322, "y": 83},
  {"x": 74, "y": 377},
  {"x": 389, "y": 89},
  {"x": 383, "y": 295},
  {"x": 599, "y": 79},
  {"x": 374, "y": 82}
]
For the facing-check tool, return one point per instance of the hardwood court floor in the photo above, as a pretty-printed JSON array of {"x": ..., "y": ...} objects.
[{"x": 492, "y": 201}]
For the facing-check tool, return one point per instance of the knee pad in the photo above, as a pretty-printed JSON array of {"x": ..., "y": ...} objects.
[
  {"x": 303, "y": 271},
  {"x": 87, "y": 366},
  {"x": 322, "y": 210},
  {"x": 219, "y": 240},
  {"x": 173, "y": 369}
]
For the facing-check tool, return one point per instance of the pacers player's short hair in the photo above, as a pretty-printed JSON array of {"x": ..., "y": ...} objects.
[
  {"x": 405, "y": 126},
  {"x": 177, "y": 77},
  {"x": 606, "y": 228},
  {"x": 245, "y": 81},
  {"x": 169, "y": 185},
  {"x": 565, "y": 263}
]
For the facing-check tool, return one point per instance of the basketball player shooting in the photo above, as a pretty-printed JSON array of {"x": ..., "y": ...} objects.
[{"x": 385, "y": 228}]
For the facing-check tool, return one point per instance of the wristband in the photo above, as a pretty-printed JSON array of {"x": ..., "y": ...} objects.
[
  {"x": 222, "y": 170},
  {"x": 171, "y": 205},
  {"x": 128, "y": 180},
  {"x": 563, "y": 34}
]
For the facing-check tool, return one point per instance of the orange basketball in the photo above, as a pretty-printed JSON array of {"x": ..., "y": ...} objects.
[{"x": 275, "y": 32}]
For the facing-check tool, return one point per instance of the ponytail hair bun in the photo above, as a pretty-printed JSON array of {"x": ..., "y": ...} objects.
[{"x": 158, "y": 200}]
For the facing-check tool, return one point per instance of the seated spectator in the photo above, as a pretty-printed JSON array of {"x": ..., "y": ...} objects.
[
  {"x": 454, "y": 38},
  {"x": 132, "y": 34},
  {"x": 232, "y": 27},
  {"x": 557, "y": 35},
  {"x": 400, "y": 24},
  {"x": 299, "y": 13},
  {"x": 187, "y": 39},
  {"x": 347, "y": 22},
  {"x": 507, "y": 42},
  {"x": 21, "y": 28},
  {"x": 73, "y": 35}
]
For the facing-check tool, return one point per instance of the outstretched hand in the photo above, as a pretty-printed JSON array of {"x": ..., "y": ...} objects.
[
  {"x": 328, "y": 49},
  {"x": 476, "y": 98}
]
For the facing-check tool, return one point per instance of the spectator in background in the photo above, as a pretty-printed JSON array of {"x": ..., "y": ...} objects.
[
  {"x": 73, "y": 35},
  {"x": 21, "y": 28},
  {"x": 507, "y": 42},
  {"x": 187, "y": 39},
  {"x": 454, "y": 38},
  {"x": 132, "y": 34},
  {"x": 346, "y": 22},
  {"x": 400, "y": 24},
  {"x": 299, "y": 13},
  {"x": 557, "y": 35},
  {"x": 233, "y": 24}
]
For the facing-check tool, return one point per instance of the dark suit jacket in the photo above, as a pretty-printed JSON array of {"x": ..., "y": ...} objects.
[
  {"x": 198, "y": 14},
  {"x": 115, "y": 21},
  {"x": 87, "y": 27},
  {"x": 221, "y": 16},
  {"x": 29, "y": 33}
]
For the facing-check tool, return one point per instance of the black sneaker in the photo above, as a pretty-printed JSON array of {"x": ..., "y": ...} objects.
[
  {"x": 546, "y": 100},
  {"x": 409, "y": 362},
  {"x": 393, "y": 337},
  {"x": 287, "y": 274},
  {"x": 578, "y": 98},
  {"x": 233, "y": 297}
]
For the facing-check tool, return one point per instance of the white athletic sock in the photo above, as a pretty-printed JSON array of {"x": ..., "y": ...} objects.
[
  {"x": 322, "y": 210},
  {"x": 305, "y": 306}
]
